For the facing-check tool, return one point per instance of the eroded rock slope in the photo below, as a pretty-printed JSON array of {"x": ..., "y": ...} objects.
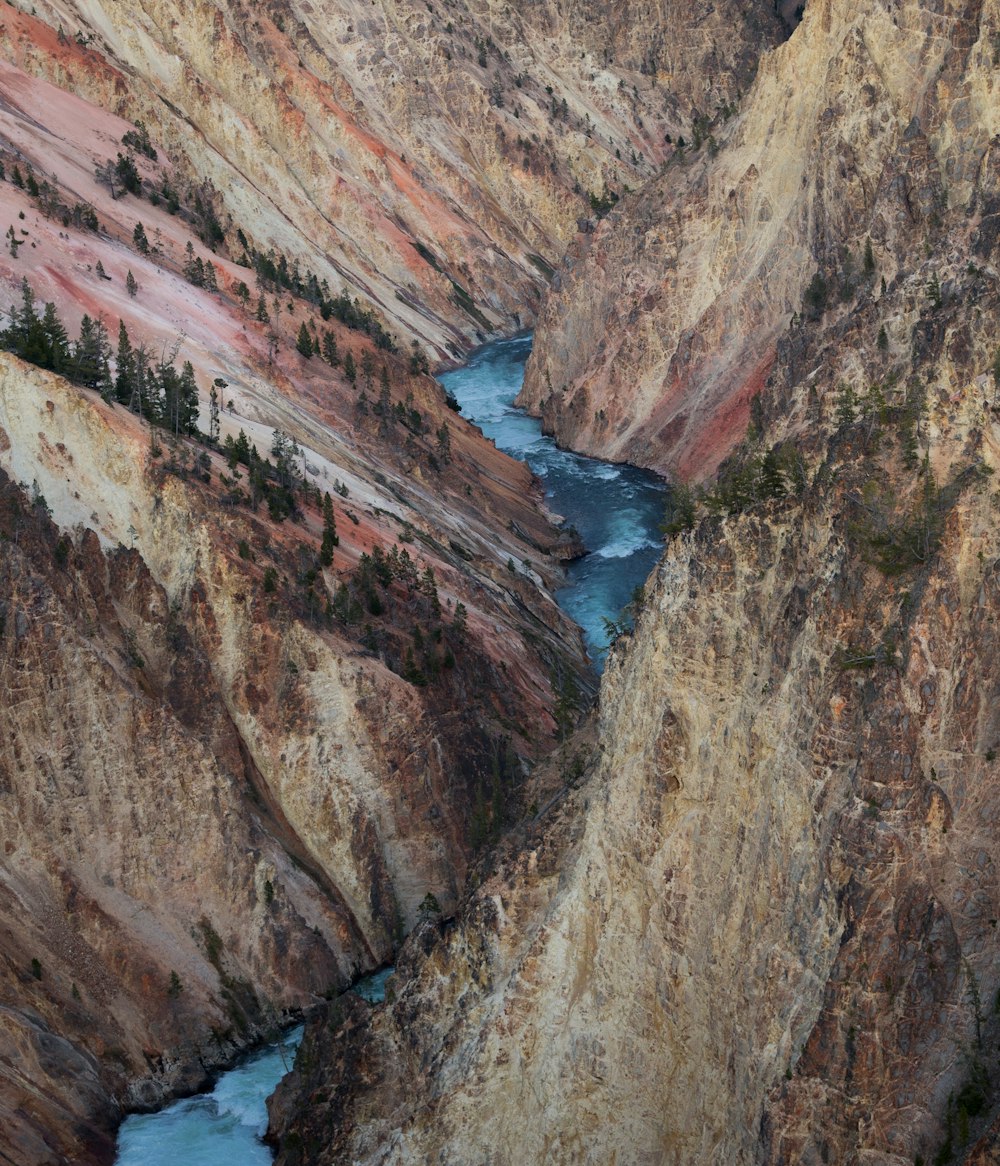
[
  {"x": 433, "y": 160},
  {"x": 231, "y": 769},
  {"x": 865, "y": 128}
]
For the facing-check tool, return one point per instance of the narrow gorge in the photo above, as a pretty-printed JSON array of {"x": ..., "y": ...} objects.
[{"x": 290, "y": 688}]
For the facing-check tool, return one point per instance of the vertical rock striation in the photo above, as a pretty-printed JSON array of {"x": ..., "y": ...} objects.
[{"x": 867, "y": 125}]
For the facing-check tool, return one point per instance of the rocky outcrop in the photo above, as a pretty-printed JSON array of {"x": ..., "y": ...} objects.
[
  {"x": 433, "y": 162},
  {"x": 863, "y": 129}
]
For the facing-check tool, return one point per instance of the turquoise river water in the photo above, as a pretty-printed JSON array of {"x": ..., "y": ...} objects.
[{"x": 617, "y": 510}]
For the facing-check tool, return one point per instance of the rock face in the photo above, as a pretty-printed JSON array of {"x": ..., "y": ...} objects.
[
  {"x": 763, "y": 930},
  {"x": 433, "y": 162},
  {"x": 225, "y": 785},
  {"x": 866, "y": 126}
]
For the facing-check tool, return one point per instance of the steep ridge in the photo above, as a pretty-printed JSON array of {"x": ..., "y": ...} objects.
[
  {"x": 763, "y": 928},
  {"x": 434, "y": 160},
  {"x": 866, "y": 126}
]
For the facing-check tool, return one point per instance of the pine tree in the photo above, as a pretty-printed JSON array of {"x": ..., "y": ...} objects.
[
  {"x": 147, "y": 399},
  {"x": 99, "y": 270},
  {"x": 330, "y": 539},
  {"x": 193, "y": 269},
  {"x": 125, "y": 379},
  {"x": 847, "y": 405},
  {"x": 330, "y": 353},
  {"x": 188, "y": 410},
  {"x": 210, "y": 279},
  {"x": 350, "y": 371},
  {"x": 169, "y": 391},
  {"x": 26, "y": 336},
  {"x": 89, "y": 364},
  {"x": 869, "y": 257},
  {"x": 262, "y": 314},
  {"x": 130, "y": 285},
  {"x": 56, "y": 340},
  {"x": 772, "y": 480},
  {"x": 140, "y": 240},
  {"x": 304, "y": 342},
  {"x": 428, "y": 586},
  {"x": 214, "y": 404},
  {"x": 460, "y": 620},
  {"x": 368, "y": 368}
]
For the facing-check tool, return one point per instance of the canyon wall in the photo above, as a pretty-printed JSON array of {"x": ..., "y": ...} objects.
[
  {"x": 763, "y": 927},
  {"x": 433, "y": 161},
  {"x": 863, "y": 129},
  {"x": 224, "y": 795},
  {"x": 215, "y": 809}
]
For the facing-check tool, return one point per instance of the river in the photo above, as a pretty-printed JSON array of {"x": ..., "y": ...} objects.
[
  {"x": 617, "y": 510},
  {"x": 223, "y": 1127}
]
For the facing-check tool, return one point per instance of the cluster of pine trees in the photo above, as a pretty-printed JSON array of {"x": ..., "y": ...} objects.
[
  {"x": 151, "y": 386},
  {"x": 81, "y": 214},
  {"x": 397, "y": 593},
  {"x": 274, "y": 271}
]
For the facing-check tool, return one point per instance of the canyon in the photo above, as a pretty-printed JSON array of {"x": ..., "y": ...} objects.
[
  {"x": 760, "y": 926},
  {"x": 745, "y": 910}
]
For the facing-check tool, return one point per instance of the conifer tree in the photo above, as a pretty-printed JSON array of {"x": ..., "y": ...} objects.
[
  {"x": 140, "y": 240},
  {"x": 214, "y": 405},
  {"x": 350, "y": 370},
  {"x": 56, "y": 340},
  {"x": 89, "y": 362},
  {"x": 330, "y": 353},
  {"x": 25, "y": 336},
  {"x": 847, "y": 405},
  {"x": 304, "y": 342},
  {"x": 125, "y": 382},
  {"x": 330, "y": 539},
  {"x": 130, "y": 284}
]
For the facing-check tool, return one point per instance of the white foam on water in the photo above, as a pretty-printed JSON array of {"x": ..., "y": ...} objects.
[
  {"x": 221, "y": 1128},
  {"x": 606, "y": 472},
  {"x": 625, "y": 548}
]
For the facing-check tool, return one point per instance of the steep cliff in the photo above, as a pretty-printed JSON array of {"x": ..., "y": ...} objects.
[
  {"x": 862, "y": 131},
  {"x": 432, "y": 160},
  {"x": 764, "y": 927}
]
